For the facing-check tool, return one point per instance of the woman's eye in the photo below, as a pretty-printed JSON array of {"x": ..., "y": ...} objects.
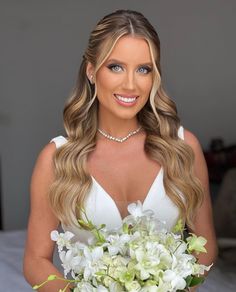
[
  {"x": 145, "y": 70},
  {"x": 114, "y": 67},
  {"x": 118, "y": 68}
]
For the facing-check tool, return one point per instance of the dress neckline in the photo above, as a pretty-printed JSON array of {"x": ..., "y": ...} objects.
[{"x": 114, "y": 202}]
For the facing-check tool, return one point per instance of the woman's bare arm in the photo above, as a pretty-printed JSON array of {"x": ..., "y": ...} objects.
[
  {"x": 39, "y": 246},
  {"x": 204, "y": 221}
]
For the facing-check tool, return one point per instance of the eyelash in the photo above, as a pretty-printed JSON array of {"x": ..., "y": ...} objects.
[{"x": 111, "y": 67}]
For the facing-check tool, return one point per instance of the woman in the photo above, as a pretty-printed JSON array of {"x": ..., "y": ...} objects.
[{"x": 125, "y": 143}]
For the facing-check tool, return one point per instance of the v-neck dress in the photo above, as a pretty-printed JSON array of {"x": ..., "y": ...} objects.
[{"x": 102, "y": 209}]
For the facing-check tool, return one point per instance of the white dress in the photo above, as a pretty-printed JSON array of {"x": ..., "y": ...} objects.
[{"x": 102, "y": 209}]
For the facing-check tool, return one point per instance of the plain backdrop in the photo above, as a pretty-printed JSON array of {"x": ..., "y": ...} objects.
[{"x": 41, "y": 47}]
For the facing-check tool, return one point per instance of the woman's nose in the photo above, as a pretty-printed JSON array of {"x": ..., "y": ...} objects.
[{"x": 129, "y": 81}]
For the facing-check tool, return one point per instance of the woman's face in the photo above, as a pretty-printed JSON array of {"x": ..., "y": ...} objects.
[{"x": 124, "y": 81}]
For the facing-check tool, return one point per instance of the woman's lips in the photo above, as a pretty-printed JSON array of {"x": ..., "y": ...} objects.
[{"x": 126, "y": 100}]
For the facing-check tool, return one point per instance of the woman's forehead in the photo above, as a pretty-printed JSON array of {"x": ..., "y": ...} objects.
[{"x": 131, "y": 49}]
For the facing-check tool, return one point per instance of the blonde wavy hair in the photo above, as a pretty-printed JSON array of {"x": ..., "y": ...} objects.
[{"x": 158, "y": 118}]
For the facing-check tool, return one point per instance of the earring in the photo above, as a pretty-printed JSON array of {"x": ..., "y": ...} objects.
[{"x": 91, "y": 79}]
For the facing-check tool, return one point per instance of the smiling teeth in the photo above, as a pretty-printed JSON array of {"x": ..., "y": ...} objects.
[{"x": 126, "y": 99}]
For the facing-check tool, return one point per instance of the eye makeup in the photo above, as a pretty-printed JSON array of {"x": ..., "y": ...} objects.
[{"x": 145, "y": 68}]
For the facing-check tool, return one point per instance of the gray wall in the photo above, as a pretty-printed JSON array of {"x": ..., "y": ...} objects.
[{"x": 41, "y": 47}]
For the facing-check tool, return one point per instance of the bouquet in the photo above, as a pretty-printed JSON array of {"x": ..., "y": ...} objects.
[{"x": 141, "y": 256}]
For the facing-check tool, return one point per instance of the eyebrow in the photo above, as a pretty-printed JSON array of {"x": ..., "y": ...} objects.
[{"x": 122, "y": 63}]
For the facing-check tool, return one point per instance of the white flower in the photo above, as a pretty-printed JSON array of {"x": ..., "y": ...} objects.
[
  {"x": 177, "y": 282},
  {"x": 116, "y": 243},
  {"x": 69, "y": 261},
  {"x": 133, "y": 286},
  {"x": 136, "y": 210},
  {"x": 162, "y": 287},
  {"x": 102, "y": 289},
  {"x": 115, "y": 287},
  {"x": 147, "y": 261},
  {"x": 62, "y": 239},
  {"x": 200, "y": 269},
  {"x": 84, "y": 287},
  {"x": 181, "y": 249},
  {"x": 120, "y": 260},
  {"x": 91, "y": 261}
]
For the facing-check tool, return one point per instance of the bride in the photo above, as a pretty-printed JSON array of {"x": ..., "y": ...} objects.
[{"x": 124, "y": 143}]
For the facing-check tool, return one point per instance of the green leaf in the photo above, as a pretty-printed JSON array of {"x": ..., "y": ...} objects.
[
  {"x": 189, "y": 280},
  {"x": 196, "y": 281}
]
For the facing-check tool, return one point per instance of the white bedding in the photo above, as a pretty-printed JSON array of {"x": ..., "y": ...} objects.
[
  {"x": 11, "y": 255},
  {"x": 221, "y": 279}
]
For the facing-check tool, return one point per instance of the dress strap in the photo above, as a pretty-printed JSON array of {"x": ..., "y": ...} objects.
[
  {"x": 181, "y": 132},
  {"x": 59, "y": 141}
]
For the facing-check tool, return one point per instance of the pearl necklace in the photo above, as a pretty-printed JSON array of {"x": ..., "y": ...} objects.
[{"x": 120, "y": 140}]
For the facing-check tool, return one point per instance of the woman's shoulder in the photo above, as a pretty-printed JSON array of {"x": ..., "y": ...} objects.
[
  {"x": 45, "y": 157},
  {"x": 200, "y": 163},
  {"x": 191, "y": 139}
]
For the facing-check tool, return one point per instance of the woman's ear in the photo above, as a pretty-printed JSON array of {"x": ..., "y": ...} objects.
[{"x": 90, "y": 72}]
